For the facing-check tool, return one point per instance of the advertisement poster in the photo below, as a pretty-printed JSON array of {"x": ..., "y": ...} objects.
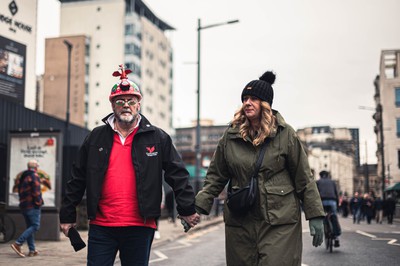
[
  {"x": 12, "y": 70},
  {"x": 44, "y": 149}
]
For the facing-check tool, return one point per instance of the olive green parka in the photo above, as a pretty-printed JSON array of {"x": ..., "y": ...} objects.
[{"x": 271, "y": 233}]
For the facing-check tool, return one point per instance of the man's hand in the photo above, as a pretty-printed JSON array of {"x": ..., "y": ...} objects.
[
  {"x": 317, "y": 231},
  {"x": 189, "y": 221},
  {"x": 65, "y": 228}
]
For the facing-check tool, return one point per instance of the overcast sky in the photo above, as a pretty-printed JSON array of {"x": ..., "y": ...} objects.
[{"x": 325, "y": 53}]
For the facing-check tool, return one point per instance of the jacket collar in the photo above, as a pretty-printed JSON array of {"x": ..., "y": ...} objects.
[{"x": 144, "y": 124}]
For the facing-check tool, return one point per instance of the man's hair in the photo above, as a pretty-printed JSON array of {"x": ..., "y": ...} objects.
[
  {"x": 267, "y": 122},
  {"x": 324, "y": 174}
]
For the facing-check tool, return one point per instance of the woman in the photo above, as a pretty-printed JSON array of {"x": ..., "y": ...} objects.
[{"x": 270, "y": 233}]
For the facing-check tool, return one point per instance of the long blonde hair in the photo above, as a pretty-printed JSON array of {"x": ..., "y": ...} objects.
[{"x": 267, "y": 124}]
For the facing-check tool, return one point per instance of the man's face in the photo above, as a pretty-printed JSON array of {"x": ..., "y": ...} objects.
[{"x": 126, "y": 108}]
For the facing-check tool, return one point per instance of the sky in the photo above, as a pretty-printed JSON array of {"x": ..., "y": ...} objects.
[{"x": 325, "y": 54}]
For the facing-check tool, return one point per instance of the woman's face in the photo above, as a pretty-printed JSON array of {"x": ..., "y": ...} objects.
[{"x": 252, "y": 108}]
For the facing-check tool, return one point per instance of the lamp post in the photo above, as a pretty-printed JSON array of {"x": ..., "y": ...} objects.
[
  {"x": 69, "y": 47},
  {"x": 198, "y": 142},
  {"x": 381, "y": 147}
]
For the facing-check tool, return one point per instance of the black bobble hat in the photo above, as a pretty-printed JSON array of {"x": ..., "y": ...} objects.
[{"x": 261, "y": 88}]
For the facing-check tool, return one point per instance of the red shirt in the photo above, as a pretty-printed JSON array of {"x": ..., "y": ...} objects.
[{"x": 118, "y": 205}]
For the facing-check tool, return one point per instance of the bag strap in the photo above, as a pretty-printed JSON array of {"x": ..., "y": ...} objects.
[
  {"x": 258, "y": 164},
  {"x": 260, "y": 159}
]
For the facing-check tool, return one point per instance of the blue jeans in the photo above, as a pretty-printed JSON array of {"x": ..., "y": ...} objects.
[
  {"x": 331, "y": 203},
  {"x": 32, "y": 220},
  {"x": 132, "y": 242}
]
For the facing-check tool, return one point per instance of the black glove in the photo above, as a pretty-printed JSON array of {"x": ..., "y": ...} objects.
[{"x": 76, "y": 240}]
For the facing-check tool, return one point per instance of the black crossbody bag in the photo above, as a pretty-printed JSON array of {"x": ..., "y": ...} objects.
[{"x": 240, "y": 201}]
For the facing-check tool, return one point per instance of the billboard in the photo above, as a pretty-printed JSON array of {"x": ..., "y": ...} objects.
[
  {"x": 12, "y": 70},
  {"x": 44, "y": 147}
]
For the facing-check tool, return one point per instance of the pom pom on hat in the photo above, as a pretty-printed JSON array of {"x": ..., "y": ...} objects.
[
  {"x": 124, "y": 86},
  {"x": 261, "y": 88}
]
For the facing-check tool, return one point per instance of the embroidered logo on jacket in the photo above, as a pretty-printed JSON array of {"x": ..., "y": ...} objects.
[{"x": 151, "y": 151}]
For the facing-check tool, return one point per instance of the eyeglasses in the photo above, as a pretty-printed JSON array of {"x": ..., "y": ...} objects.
[{"x": 130, "y": 102}]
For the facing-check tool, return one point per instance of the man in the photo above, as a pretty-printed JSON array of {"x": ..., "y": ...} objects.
[
  {"x": 30, "y": 202},
  {"x": 330, "y": 197},
  {"x": 120, "y": 165},
  {"x": 390, "y": 208},
  {"x": 355, "y": 207}
]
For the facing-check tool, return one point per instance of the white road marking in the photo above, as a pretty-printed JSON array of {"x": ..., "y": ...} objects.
[
  {"x": 365, "y": 234},
  {"x": 161, "y": 256},
  {"x": 391, "y": 241}
]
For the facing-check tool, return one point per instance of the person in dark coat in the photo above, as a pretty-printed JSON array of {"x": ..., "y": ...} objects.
[
  {"x": 390, "y": 208},
  {"x": 378, "y": 206},
  {"x": 367, "y": 207},
  {"x": 330, "y": 198},
  {"x": 355, "y": 207},
  {"x": 270, "y": 233},
  {"x": 121, "y": 166},
  {"x": 344, "y": 207}
]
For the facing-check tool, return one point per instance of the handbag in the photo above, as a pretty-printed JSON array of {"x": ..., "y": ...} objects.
[{"x": 240, "y": 201}]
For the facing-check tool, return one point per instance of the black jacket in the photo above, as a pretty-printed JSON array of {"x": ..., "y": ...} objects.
[{"x": 152, "y": 153}]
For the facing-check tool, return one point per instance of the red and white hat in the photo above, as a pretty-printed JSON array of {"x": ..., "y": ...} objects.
[{"x": 124, "y": 86}]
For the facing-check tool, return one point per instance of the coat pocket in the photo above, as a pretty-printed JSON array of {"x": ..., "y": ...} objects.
[{"x": 283, "y": 206}]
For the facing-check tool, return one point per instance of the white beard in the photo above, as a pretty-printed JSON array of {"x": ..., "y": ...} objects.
[{"x": 125, "y": 118}]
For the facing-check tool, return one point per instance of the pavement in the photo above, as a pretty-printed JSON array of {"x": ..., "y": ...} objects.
[
  {"x": 54, "y": 253},
  {"x": 62, "y": 253}
]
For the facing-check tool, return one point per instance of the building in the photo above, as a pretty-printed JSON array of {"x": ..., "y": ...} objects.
[
  {"x": 367, "y": 180},
  {"x": 18, "y": 40},
  {"x": 55, "y": 79},
  {"x": 334, "y": 150},
  {"x": 185, "y": 142},
  {"x": 387, "y": 118},
  {"x": 120, "y": 32}
]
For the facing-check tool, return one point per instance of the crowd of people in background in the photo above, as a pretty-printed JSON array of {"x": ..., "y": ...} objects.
[{"x": 366, "y": 207}]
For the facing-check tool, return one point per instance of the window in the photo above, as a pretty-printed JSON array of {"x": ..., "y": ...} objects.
[
  {"x": 129, "y": 48},
  {"x": 398, "y": 127},
  {"x": 397, "y": 96},
  {"x": 129, "y": 30}
]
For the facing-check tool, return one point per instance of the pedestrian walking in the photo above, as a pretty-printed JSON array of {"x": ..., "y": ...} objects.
[
  {"x": 270, "y": 231},
  {"x": 344, "y": 206},
  {"x": 367, "y": 207},
  {"x": 120, "y": 165},
  {"x": 30, "y": 204},
  {"x": 390, "y": 208},
  {"x": 355, "y": 207},
  {"x": 378, "y": 206}
]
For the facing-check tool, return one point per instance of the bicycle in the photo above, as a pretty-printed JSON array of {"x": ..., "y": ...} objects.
[
  {"x": 328, "y": 229},
  {"x": 7, "y": 225}
]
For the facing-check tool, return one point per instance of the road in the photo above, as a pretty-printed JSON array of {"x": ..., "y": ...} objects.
[{"x": 361, "y": 244}]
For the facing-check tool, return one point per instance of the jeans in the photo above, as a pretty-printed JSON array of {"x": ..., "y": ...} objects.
[
  {"x": 32, "y": 220},
  {"x": 132, "y": 242},
  {"x": 331, "y": 203}
]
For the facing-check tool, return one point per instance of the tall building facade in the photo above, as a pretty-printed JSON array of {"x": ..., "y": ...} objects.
[
  {"x": 387, "y": 117},
  {"x": 123, "y": 32},
  {"x": 334, "y": 150},
  {"x": 55, "y": 79}
]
